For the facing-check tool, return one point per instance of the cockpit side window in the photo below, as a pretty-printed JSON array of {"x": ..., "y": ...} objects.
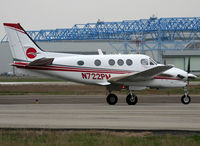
[{"x": 144, "y": 61}]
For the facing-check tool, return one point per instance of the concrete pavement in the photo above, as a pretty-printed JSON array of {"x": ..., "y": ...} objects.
[{"x": 145, "y": 116}]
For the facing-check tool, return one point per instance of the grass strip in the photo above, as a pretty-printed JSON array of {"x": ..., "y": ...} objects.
[{"x": 91, "y": 138}]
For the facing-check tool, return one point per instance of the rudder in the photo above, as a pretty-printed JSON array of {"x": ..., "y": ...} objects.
[{"x": 21, "y": 44}]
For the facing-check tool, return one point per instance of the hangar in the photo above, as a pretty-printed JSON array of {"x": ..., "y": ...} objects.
[{"x": 167, "y": 40}]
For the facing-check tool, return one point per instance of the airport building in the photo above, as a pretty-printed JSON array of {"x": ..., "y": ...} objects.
[{"x": 167, "y": 40}]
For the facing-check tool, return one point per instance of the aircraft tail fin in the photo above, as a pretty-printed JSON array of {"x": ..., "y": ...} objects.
[{"x": 22, "y": 45}]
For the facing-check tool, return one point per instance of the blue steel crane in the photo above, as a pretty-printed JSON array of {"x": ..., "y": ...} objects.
[{"x": 144, "y": 34}]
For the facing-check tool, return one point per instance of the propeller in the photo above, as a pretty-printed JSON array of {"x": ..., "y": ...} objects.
[
  {"x": 189, "y": 75},
  {"x": 188, "y": 69},
  {"x": 165, "y": 63}
]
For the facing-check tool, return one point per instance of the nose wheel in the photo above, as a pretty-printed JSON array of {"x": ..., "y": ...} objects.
[
  {"x": 185, "y": 98},
  {"x": 131, "y": 99}
]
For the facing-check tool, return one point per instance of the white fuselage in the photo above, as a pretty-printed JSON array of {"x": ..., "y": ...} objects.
[
  {"x": 98, "y": 69},
  {"x": 90, "y": 69},
  {"x": 133, "y": 71}
]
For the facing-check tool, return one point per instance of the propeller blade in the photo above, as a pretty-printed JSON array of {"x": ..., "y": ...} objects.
[
  {"x": 165, "y": 62},
  {"x": 188, "y": 69}
]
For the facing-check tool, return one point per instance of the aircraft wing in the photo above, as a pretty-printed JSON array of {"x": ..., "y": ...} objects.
[
  {"x": 41, "y": 62},
  {"x": 141, "y": 76}
]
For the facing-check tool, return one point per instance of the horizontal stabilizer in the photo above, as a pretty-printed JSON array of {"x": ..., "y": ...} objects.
[{"x": 41, "y": 62}]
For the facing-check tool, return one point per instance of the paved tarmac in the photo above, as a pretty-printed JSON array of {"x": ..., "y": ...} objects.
[
  {"x": 89, "y": 99},
  {"x": 153, "y": 112},
  {"x": 144, "y": 116}
]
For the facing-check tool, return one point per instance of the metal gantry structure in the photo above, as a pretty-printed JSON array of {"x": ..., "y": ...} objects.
[{"x": 144, "y": 34}]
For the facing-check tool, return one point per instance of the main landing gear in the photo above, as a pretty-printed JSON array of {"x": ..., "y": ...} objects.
[
  {"x": 112, "y": 99},
  {"x": 185, "y": 98},
  {"x": 131, "y": 99}
]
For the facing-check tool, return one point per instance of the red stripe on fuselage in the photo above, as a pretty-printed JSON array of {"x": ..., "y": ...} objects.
[
  {"x": 74, "y": 69},
  {"x": 165, "y": 78}
]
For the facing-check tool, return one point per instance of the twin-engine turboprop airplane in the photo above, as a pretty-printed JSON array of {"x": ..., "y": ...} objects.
[{"x": 133, "y": 71}]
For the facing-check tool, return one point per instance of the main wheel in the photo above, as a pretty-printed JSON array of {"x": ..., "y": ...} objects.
[
  {"x": 112, "y": 99},
  {"x": 185, "y": 99},
  {"x": 131, "y": 99}
]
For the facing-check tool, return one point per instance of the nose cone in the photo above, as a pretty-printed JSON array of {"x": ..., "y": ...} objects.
[
  {"x": 191, "y": 76},
  {"x": 181, "y": 74}
]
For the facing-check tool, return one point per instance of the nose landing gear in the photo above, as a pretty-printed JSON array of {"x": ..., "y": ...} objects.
[{"x": 185, "y": 98}]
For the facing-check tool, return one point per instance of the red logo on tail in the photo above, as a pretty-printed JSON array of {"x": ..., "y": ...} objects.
[{"x": 31, "y": 53}]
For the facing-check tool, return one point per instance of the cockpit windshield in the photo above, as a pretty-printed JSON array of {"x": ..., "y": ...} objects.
[{"x": 152, "y": 62}]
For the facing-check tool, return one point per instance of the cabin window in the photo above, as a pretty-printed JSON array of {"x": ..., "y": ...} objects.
[
  {"x": 97, "y": 62},
  {"x": 111, "y": 62},
  {"x": 129, "y": 62},
  {"x": 120, "y": 62},
  {"x": 144, "y": 61},
  {"x": 80, "y": 62}
]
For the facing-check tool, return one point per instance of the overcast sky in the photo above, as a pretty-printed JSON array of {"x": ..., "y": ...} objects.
[{"x": 51, "y": 14}]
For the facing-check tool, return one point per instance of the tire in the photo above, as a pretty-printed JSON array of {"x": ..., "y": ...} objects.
[
  {"x": 185, "y": 99},
  {"x": 131, "y": 100},
  {"x": 112, "y": 99}
]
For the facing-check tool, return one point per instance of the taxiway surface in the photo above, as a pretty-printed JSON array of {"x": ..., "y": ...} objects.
[
  {"x": 82, "y": 112},
  {"x": 89, "y": 99},
  {"x": 171, "y": 116}
]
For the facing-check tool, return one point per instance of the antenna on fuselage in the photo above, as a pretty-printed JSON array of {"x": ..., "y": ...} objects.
[{"x": 100, "y": 52}]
